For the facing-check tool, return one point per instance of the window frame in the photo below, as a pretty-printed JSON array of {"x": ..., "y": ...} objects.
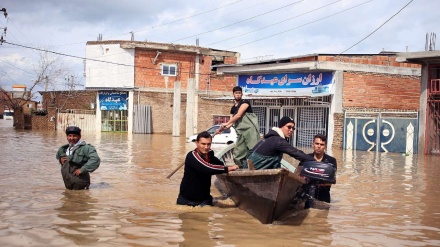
[{"x": 162, "y": 67}]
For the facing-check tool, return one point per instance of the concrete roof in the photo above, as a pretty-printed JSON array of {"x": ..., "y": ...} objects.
[
  {"x": 316, "y": 67},
  {"x": 419, "y": 57},
  {"x": 283, "y": 59},
  {"x": 128, "y": 44}
]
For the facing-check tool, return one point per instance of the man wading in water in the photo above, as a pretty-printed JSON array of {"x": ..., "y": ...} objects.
[{"x": 77, "y": 160}]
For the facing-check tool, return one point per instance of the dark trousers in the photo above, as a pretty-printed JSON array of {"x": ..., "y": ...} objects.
[
  {"x": 72, "y": 182},
  {"x": 182, "y": 201}
]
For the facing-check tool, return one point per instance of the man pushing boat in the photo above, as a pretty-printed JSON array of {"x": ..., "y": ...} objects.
[{"x": 200, "y": 165}]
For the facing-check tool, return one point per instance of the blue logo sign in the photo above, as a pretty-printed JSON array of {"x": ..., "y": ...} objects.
[
  {"x": 284, "y": 84},
  {"x": 112, "y": 101}
]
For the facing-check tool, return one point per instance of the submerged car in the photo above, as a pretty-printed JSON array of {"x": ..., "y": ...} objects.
[{"x": 228, "y": 136}]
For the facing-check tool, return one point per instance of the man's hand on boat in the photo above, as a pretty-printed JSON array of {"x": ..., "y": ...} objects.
[{"x": 232, "y": 168}]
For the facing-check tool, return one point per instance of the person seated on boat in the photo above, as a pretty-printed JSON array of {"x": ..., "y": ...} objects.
[
  {"x": 268, "y": 153},
  {"x": 322, "y": 192},
  {"x": 200, "y": 165},
  {"x": 77, "y": 160}
]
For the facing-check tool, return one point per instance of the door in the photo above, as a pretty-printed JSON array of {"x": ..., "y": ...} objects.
[{"x": 383, "y": 134}]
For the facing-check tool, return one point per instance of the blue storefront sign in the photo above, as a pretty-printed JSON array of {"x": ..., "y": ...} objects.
[
  {"x": 112, "y": 101},
  {"x": 287, "y": 83}
]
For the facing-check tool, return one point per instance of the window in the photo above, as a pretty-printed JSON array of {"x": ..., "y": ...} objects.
[
  {"x": 169, "y": 69},
  {"x": 219, "y": 119}
]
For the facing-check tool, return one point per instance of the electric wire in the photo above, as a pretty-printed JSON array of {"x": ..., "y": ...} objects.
[
  {"x": 375, "y": 30},
  {"x": 247, "y": 8},
  {"x": 303, "y": 25},
  {"x": 92, "y": 59},
  {"x": 273, "y": 24},
  {"x": 241, "y": 21}
]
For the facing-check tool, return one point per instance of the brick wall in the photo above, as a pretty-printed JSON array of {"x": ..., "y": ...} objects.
[
  {"x": 367, "y": 90},
  {"x": 209, "y": 108},
  {"x": 338, "y": 133},
  {"x": 148, "y": 74},
  {"x": 43, "y": 123},
  {"x": 62, "y": 100},
  {"x": 223, "y": 83},
  {"x": 162, "y": 111},
  {"x": 230, "y": 60}
]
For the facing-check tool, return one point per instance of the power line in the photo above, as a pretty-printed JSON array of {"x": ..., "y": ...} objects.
[
  {"x": 92, "y": 59},
  {"x": 15, "y": 67},
  {"x": 191, "y": 16},
  {"x": 288, "y": 30},
  {"x": 376, "y": 28},
  {"x": 19, "y": 31},
  {"x": 247, "y": 8},
  {"x": 276, "y": 23},
  {"x": 250, "y": 18},
  {"x": 164, "y": 24}
]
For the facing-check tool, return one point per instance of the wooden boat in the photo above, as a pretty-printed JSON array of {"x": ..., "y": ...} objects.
[{"x": 265, "y": 194}]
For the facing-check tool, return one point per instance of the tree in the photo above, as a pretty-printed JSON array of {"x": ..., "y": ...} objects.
[{"x": 50, "y": 74}]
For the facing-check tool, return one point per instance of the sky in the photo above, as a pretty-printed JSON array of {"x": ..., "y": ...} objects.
[{"x": 257, "y": 29}]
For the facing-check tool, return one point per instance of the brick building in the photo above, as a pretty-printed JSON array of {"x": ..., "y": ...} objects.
[
  {"x": 429, "y": 131},
  {"x": 17, "y": 102},
  {"x": 360, "y": 101},
  {"x": 128, "y": 74}
]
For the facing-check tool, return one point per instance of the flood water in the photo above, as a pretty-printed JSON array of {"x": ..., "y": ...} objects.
[{"x": 381, "y": 199}]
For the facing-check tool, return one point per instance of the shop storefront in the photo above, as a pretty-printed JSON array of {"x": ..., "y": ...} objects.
[
  {"x": 114, "y": 111},
  {"x": 305, "y": 97}
]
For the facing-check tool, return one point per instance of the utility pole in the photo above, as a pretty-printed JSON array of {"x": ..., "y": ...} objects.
[{"x": 4, "y": 28}]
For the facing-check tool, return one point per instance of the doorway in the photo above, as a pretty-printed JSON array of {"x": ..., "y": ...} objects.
[{"x": 114, "y": 121}]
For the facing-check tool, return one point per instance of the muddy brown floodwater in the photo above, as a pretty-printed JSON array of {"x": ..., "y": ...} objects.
[{"x": 380, "y": 199}]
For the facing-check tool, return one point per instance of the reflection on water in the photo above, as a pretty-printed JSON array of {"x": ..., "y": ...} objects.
[
  {"x": 79, "y": 210},
  {"x": 380, "y": 199}
]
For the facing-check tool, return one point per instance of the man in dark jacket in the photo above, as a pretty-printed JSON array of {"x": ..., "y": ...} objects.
[
  {"x": 200, "y": 165},
  {"x": 77, "y": 160},
  {"x": 319, "y": 144},
  {"x": 268, "y": 153}
]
